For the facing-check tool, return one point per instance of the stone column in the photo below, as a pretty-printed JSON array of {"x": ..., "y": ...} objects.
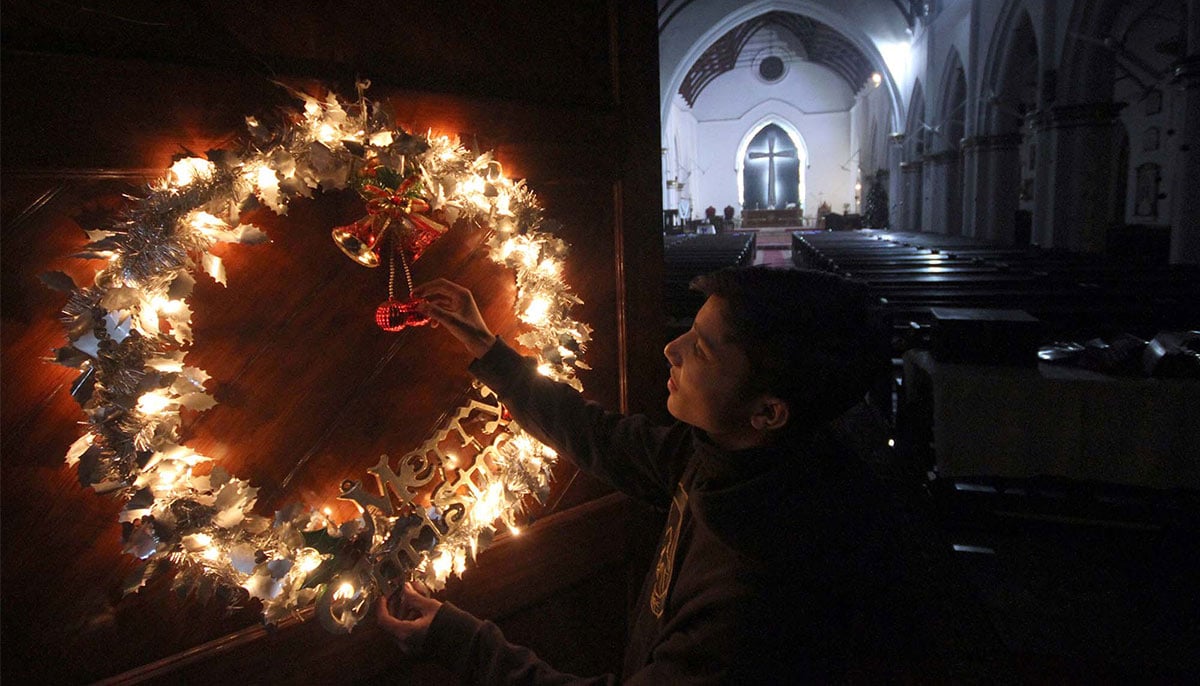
[
  {"x": 895, "y": 154},
  {"x": 943, "y": 175},
  {"x": 1073, "y": 205},
  {"x": 991, "y": 164},
  {"x": 1185, "y": 205},
  {"x": 910, "y": 212}
]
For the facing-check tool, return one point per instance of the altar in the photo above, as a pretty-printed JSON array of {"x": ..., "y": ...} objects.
[{"x": 790, "y": 217}]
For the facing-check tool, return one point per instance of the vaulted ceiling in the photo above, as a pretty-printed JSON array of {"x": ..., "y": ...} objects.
[{"x": 822, "y": 44}]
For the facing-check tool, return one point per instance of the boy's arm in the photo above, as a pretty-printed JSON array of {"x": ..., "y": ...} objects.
[{"x": 629, "y": 453}]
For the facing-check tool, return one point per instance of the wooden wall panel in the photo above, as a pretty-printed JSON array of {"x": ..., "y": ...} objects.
[{"x": 310, "y": 391}]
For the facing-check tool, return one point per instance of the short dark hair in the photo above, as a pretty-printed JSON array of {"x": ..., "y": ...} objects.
[{"x": 813, "y": 338}]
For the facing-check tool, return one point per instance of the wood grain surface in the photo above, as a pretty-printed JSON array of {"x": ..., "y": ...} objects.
[{"x": 310, "y": 391}]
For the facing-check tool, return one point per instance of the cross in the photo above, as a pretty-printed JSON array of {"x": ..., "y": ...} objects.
[{"x": 770, "y": 155}]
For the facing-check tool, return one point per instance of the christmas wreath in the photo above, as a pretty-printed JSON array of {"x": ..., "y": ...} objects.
[{"x": 130, "y": 331}]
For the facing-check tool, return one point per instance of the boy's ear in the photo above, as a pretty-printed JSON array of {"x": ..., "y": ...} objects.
[{"x": 772, "y": 413}]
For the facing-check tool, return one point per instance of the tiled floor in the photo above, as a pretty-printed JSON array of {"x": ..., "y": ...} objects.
[
  {"x": 774, "y": 256},
  {"x": 774, "y": 247}
]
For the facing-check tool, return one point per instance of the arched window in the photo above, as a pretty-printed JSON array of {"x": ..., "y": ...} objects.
[{"x": 771, "y": 170}]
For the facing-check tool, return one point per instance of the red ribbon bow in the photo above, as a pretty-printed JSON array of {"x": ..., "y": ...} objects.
[{"x": 408, "y": 209}]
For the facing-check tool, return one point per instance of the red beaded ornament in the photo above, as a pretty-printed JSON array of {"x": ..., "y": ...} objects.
[{"x": 394, "y": 315}]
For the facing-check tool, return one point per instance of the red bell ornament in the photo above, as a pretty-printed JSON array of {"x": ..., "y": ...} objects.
[
  {"x": 360, "y": 240},
  {"x": 402, "y": 210}
]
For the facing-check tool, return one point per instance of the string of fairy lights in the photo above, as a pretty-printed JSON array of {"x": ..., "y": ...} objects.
[{"x": 430, "y": 510}]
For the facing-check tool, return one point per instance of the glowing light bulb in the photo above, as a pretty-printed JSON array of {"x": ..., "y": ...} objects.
[
  {"x": 503, "y": 203},
  {"x": 326, "y": 133},
  {"x": 266, "y": 178},
  {"x": 189, "y": 169},
  {"x": 442, "y": 565},
  {"x": 538, "y": 312},
  {"x": 507, "y": 248},
  {"x": 474, "y": 185},
  {"x": 515, "y": 531},
  {"x": 345, "y": 591},
  {"x": 487, "y": 508},
  {"x": 328, "y": 511},
  {"x": 167, "y": 475},
  {"x": 207, "y": 224},
  {"x": 308, "y": 561},
  {"x": 529, "y": 256},
  {"x": 153, "y": 402},
  {"x": 876, "y": 79},
  {"x": 162, "y": 304}
]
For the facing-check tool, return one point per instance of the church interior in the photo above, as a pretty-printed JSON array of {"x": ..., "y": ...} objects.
[{"x": 1014, "y": 180}]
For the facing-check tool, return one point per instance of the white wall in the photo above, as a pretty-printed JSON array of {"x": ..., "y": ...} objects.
[
  {"x": 688, "y": 28},
  {"x": 809, "y": 99}
]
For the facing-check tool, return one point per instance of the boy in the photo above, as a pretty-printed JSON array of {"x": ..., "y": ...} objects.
[{"x": 780, "y": 560}]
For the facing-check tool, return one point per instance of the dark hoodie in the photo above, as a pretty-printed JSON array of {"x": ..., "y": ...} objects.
[{"x": 777, "y": 564}]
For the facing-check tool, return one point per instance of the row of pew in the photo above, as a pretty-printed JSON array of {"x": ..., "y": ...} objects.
[
  {"x": 1075, "y": 296},
  {"x": 1005, "y": 444},
  {"x": 687, "y": 256}
]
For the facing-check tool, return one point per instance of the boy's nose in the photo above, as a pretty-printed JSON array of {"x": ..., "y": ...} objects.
[{"x": 669, "y": 352}]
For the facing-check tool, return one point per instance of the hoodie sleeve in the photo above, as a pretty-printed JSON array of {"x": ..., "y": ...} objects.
[
  {"x": 477, "y": 652},
  {"x": 628, "y": 453}
]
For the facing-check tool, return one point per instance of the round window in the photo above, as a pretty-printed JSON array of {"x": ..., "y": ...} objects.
[{"x": 771, "y": 68}]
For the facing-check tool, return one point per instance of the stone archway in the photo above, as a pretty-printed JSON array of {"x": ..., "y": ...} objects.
[
  {"x": 1118, "y": 59},
  {"x": 943, "y": 165},
  {"x": 992, "y": 159}
]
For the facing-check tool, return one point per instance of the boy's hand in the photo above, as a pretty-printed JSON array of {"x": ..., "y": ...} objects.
[
  {"x": 410, "y": 625},
  {"x": 453, "y": 306}
]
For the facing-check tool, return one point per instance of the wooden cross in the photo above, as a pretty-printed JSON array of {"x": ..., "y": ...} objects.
[{"x": 770, "y": 156}]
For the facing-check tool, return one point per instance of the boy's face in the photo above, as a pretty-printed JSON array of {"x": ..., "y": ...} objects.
[{"x": 708, "y": 377}]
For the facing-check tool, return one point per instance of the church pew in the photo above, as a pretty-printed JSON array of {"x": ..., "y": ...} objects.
[
  {"x": 1072, "y": 294},
  {"x": 688, "y": 256}
]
